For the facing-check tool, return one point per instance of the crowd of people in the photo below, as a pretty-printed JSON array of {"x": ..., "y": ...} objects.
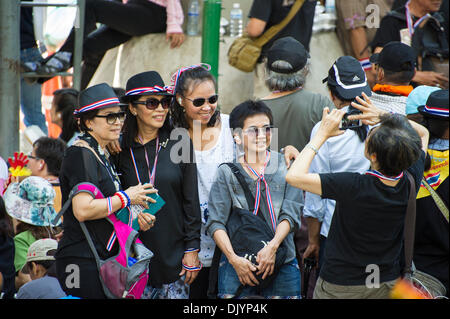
[{"x": 331, "y": 178}]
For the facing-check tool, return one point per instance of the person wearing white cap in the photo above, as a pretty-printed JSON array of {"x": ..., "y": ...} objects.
[{"x": 39, "y": 263}]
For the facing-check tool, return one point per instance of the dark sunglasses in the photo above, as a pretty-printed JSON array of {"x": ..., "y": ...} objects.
[
  {"x": 153, "y": 103},
  {"x": 201, "y": 100},
  {"x": 111, "y": 118},
  {"x": 255, "y": 131}
]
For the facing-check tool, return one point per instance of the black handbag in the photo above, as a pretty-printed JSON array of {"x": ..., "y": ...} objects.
[{"x": 248, "y": 234}]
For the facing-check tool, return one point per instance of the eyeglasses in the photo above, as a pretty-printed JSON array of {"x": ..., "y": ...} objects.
[
  {"x": 256, "y": 131},
  {"x": 153, "y": 103},
  {"x": 201, "y": 100},
  {"x": 33, "y": 157},
  {"x": 111, "y": 118}
]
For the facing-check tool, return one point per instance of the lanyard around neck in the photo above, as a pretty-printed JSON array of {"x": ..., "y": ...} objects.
[
  {"x": 260, "y": 177},
  {"x": 152, "y": 174},
  {"x": 409, "y": 21},
  {"x": 381, "y": 176}
]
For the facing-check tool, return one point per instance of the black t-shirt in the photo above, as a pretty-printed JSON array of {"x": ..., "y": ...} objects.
[
  {"x": 80, "y": 165},
  {"x": 367, "y": 225},
  {"x": 178, "y": 223},
  {"x": 274, "y": 11}
]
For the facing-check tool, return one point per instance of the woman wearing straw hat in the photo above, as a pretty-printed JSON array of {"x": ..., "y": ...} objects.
[
  {"x": 100, "y": 120},
  {"x": 147, "y": 157}
]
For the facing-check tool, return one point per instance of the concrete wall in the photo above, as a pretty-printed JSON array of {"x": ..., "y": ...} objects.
[{"x": 152, "y": 52}]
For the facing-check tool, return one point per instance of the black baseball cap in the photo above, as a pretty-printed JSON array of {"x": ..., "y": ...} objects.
[
  {"x": 348, "y": 77},
  {"x": 395, "y": 57},
  {"x": 290, "y": 50}
]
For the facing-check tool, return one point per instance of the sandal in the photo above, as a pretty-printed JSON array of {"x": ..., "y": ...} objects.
[{"x": 58, "y": 62}]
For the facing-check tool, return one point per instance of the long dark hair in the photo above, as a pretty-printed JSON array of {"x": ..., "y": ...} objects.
[
  {"x": 187, "y": 80},
  {"x": 66, "y": 100},
  {"x": 6, "y": 226},
  {"x": 130, "y": 125}
]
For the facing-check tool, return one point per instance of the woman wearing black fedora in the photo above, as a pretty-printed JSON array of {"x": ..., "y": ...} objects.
[
  {"x": 431, "y": 245},
  {"x": 100, "y": 120},
  {"x": 147, "y": 156}
]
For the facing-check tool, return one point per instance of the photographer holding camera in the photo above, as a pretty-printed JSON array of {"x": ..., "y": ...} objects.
[
  {"x": 364, "y": 254},
  {"x": 344, "y": 153}
]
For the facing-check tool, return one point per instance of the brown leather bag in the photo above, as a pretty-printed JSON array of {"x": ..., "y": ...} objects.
[{"x": 244, "y": 52}]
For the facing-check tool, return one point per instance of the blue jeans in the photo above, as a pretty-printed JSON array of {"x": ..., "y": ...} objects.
[
  {"x": 285, "y": 285},
  {"x": 31, "y": 94}
]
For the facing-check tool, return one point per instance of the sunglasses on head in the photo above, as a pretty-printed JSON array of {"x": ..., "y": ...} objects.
[
  {"x": 153, "y": 103},
  {"x": 256, "y": 131},
  {"x": 111, "y": 118},
  {"x": 201, "y": 100}
]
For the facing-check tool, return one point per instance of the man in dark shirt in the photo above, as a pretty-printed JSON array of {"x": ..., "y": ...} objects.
[
  {"x": 393, "y": 28},
  {"x": 267, "y": 13}
]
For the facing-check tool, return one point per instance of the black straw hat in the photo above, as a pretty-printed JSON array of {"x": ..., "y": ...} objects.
[
  {"x": 437, "y": 105},
  {"x": 96, "y": 97},
  {"x": 145, "y": 83}
]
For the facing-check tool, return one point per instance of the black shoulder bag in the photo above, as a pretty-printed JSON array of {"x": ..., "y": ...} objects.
[{"x": 248, "y": 234}]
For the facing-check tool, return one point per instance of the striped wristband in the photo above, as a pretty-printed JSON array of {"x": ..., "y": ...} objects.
[
  {"x": 123, "y": 199},
  {"x": 109, "y": 205},
  {"x": 127, "y": 198},
  {"x": 193, "y": 268}
]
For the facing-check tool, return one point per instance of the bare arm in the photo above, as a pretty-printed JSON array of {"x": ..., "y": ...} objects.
[
  {"x": 255, "y": 27},
  {"x": 244, "y": 268},
  {"x": 298, "y": 175}
]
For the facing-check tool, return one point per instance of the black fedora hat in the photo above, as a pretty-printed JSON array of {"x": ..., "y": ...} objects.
[
  {"x": 145, "y": 83},
  {"x": 437, "y": 105},
  {"x": 96, "y": 97}
]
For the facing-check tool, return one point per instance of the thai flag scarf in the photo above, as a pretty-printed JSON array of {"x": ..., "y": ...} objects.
[
  {"x": 262, "y": 179},
  {"x": 381, "y": 176}
]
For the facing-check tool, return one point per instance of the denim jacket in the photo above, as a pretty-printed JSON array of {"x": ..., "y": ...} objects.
[{"x": 226, "y": 192}]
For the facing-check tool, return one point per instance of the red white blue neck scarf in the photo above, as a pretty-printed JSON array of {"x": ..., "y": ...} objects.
[
  {"x": 261, "y": 178},
  {"x": 409, "y": 21},
  {"x": 381, "y": 176}
]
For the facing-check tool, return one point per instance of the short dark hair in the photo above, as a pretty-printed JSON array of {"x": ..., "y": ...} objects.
[
  {"x": 246, "y": 109},
  {"x": 51, "y": 150},
  {"x": 85, "y": 116},
  {"x": 402, "y": 77},
  {"x": 184, "y": 83},
  {"x": 395, "y": 143},
  {"x": 66, "y": 100}
]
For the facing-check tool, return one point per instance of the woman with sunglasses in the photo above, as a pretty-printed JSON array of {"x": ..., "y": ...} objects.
[
  {"x": 195, "y": 109},
  {"x": 100, "y": 119},
  {"x": 146, "y": 157}
]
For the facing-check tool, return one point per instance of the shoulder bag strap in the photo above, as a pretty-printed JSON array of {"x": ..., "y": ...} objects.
[
  {"x": 410, "y": 227},
  {"x": 437, "y": 199},
  {"x": 248, "y": 194},
  {"x": 273, "y": 30}
]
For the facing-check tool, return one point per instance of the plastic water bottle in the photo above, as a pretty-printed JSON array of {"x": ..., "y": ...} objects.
[
  {"x": 236, "y": 20},
  {"x": 330, "y": 6},
  {"x": 193, "y": 16}
]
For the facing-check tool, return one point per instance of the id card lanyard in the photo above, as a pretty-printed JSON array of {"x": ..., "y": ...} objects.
[
  {"x": 260, "y": 177},
  {"x": 152, "y": 173},
  {"x": 409, "y": 21}
]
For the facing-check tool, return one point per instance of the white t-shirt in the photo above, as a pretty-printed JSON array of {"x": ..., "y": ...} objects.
[{"x": 207, "y": 163}]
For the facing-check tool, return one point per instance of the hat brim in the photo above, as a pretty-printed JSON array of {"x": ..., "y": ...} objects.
[
  {"x": 24, "y": 210},
  {"x": 421, "y": 110},
  {"x": 127, "y": 98},
  {"x": 374, "y": 58},
  {"x": 350, "y": 94}
]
